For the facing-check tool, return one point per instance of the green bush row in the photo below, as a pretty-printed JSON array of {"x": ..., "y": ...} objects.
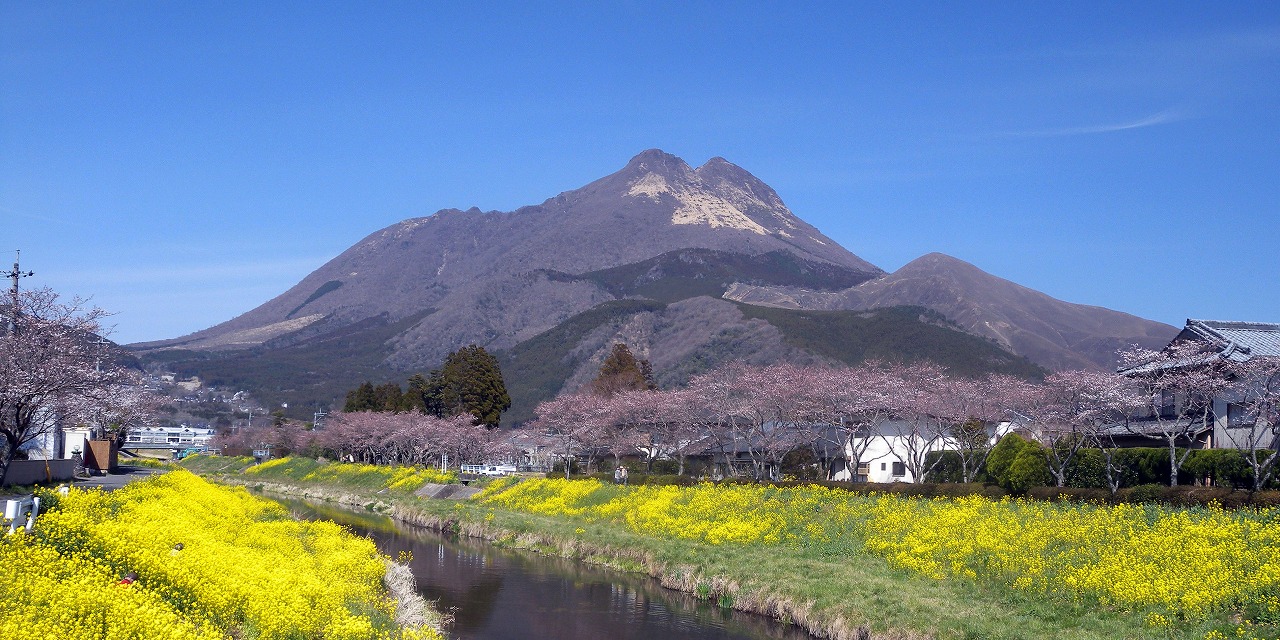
[{"x": 1019, "y": 466}]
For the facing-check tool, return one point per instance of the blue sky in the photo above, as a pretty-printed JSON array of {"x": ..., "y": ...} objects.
[{"x": 182, "y": 163}]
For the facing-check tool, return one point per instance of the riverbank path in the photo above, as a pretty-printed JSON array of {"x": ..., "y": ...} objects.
[{"x": 124, "y": 474}]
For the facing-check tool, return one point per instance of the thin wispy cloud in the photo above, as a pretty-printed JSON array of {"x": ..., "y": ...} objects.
[
  {"x": 1164, "y": 117},
  {"x": 30, "y": 216}
]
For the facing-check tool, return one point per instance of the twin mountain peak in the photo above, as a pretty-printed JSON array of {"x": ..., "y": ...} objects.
[{"x": 688, "y": 266}]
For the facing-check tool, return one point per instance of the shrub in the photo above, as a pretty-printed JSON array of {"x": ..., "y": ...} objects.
[
  {"x": 1143, "y": 493},
  {"x": 665, "y": 467},
  {"x": 1069, "y": 494},
  {"x": 946, "y": 466},
  {"x": 1226, "y": 467}
]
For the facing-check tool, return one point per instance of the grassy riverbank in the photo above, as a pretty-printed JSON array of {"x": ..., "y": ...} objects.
[
  {"x": 244, "y": 569},
  {"x": 841, "y": 565},
  {"x": 909, "y": 567},
  {"x": 309, "y": 472}
]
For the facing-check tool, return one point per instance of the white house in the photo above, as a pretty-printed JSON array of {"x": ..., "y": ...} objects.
[
  {"x": 1234, "y": 342},
  {"x": 883, "y": 455}
]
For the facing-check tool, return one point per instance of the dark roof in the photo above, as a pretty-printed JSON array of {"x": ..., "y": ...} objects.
[
  {"x": 1154, "y": 428},
  {"x": 1234, "y": 341},
  {"x": 1239, "y": 341}
]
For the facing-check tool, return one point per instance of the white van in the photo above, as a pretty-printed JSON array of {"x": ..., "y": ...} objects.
[{"x": 489, "y": 469}]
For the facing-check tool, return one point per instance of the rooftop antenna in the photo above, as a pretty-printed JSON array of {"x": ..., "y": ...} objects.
[{"x": 14, "y": 274}]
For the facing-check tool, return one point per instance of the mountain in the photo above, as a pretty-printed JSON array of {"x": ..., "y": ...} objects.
[
  {"x": 497, "y": 278},
  {"x": 1055, "y": 334},
  {"x": 690, "y": 267}
]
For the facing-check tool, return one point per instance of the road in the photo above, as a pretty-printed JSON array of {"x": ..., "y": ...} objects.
[{"x": 124, "y": 475}]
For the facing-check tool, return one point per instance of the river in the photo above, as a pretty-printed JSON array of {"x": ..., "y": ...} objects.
[{"x": 500, "y": 594}]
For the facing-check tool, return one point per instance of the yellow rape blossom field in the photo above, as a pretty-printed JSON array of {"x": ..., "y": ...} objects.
[
  {"x": 1166, "y": 565},
  {"x": 245, "y": 570}
]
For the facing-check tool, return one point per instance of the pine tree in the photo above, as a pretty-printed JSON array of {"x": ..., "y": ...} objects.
[
  {"x": 469, "y": 382},
  {"x": 415, "y": 397},
  {"x": 362, "y": 398}
]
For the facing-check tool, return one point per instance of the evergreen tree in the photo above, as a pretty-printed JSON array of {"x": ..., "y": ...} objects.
[
  {"x": 622, "y": 372},
  {"x": 388, "y": 397},
  {"x": 469, "y": 382},
  {"x": 415, "y": 397},
  {"x": 362, "y": 398}
]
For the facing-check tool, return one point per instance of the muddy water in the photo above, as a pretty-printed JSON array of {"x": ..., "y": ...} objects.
[{"x": 499, "y": 594}]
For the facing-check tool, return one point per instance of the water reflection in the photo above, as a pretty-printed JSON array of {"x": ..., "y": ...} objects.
[{"x": 496, "y": 594}]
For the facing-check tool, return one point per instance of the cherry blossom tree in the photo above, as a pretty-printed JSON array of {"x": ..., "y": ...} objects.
[
  {"x": 1070, "y": 410},
  {"x": 1258, "y": 388},
  {"x": 1180, "y": 384},
  {"x": 855, "y": 401},
  {"x": 756, "y": 409},
  {"x": 667, "y": 422},
  {"x": 573, "y": 422},
  {"x": 53, "y": 367},
  {"x": 922, "y": 420},
  {"x": 971, "y": 405}
]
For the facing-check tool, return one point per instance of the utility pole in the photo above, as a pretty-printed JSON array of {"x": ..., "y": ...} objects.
[{"x": 14, "y": 274}]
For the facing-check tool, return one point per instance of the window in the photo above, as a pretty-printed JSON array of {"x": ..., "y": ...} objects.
[
  {"x": 864, "y": 468},
  {"x": 1237, "y": 416},
  {"x": 882, "y": 466},
  {"x": 899, "y": 469},
  {"x": 1168, "y": 404}
]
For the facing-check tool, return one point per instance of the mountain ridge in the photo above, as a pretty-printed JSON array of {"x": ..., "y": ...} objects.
[
  {"x": 700, "y": 241},
  {"x": 1056, "y": 334}
]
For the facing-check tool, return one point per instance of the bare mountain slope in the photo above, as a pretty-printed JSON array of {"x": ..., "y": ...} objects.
[{"x": 1055, "y": 334}]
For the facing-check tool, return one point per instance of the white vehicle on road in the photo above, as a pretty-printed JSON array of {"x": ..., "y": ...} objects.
[{"x": 489, "y": 469}]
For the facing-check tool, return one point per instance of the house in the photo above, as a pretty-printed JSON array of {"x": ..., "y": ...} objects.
[
  {"x": 1227, "y": 426},
  {"x": 888, "y": 451}
]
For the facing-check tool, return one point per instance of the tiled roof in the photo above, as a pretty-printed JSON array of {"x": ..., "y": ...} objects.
[
  {"x": 1240, "y": 341},
  {"x": 1154, "y": 428}
]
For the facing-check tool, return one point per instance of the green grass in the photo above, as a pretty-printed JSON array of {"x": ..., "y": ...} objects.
[{"x": 309, "y": 472}]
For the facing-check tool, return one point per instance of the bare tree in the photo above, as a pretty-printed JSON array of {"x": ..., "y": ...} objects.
[{"x": 52, "y": 368}]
